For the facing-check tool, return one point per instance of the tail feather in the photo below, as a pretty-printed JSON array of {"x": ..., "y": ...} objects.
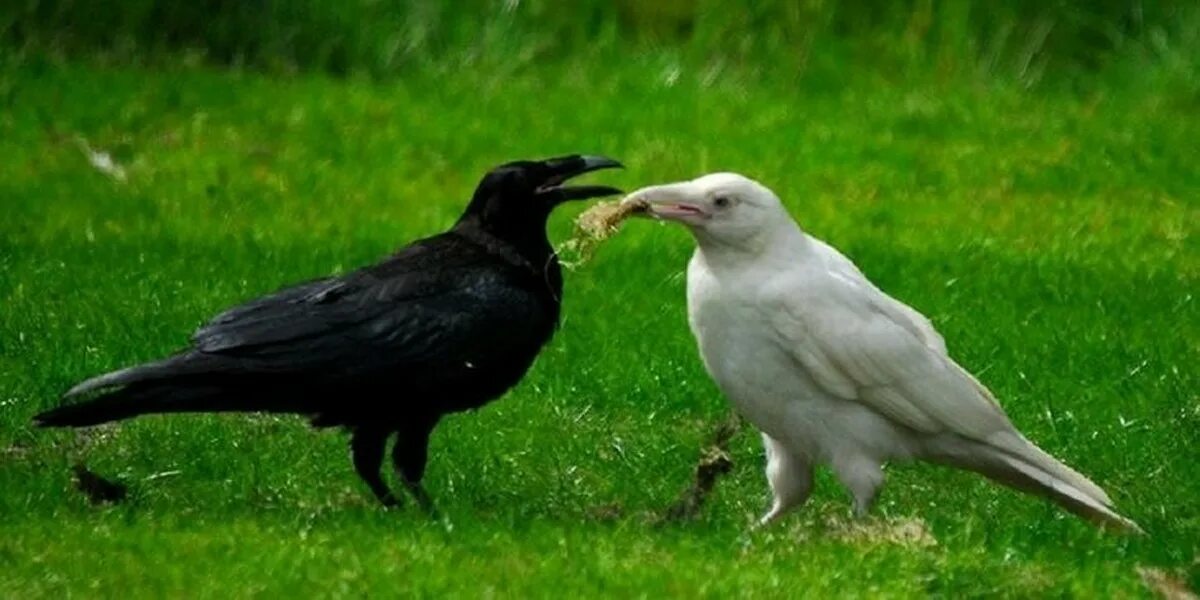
[
  {"x": 1025, "y": 450},
  {"x": 135, "y": 400},
  {"x": 154, "y": 370},
  {"x": 184, "y": 383},
  {"x": 1019, "y": 464},
  {"x": 1030, "y": 478}
]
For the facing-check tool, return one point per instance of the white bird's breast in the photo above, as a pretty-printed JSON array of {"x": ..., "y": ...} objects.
[
  {"x": 740, "y": 353},
  {"x": 743, "y": 354}
]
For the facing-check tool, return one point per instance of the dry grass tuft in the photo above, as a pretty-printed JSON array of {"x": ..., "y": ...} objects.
[{"x": 595, "y": 225}]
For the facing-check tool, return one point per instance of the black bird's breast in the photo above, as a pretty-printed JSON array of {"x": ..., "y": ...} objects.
[{"x": 494, "y": 357}]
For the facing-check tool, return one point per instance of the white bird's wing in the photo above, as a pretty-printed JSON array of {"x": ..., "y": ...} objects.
[
  {"x": 857, "y": 345},
  {"x": 903, "y": 314}
]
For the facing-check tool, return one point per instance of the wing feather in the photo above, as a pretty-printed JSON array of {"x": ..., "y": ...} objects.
[
  {"x": 404, "y": 322},
  {"x": 860, "y": 348}
]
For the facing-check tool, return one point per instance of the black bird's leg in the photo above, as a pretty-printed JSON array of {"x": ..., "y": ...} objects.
[
  {"x": 409, "y": 455},
  {"x": 367, "y": 448}
]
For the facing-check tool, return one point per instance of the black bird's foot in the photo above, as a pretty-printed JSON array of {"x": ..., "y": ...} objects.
[
  {"x": 366, "y": 447},
  {"x": 409, "y": 456}
]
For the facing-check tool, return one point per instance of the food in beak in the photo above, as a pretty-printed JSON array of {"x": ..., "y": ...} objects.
[
  {"x": 597, "y": 224},
  {"x": 602, "y": 220}
]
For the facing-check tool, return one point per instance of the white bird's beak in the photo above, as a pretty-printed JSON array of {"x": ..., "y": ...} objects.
[{"x": 670, "y": 202}]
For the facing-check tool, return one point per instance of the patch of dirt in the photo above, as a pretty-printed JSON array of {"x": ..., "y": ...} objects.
[
  {"x": 607, "y": 512},
  {"x": 89, "y": 437},
  {"x": 906, "y": 532},
  {"x": 16, "y": 451},
  {"x": 1167, "y": 585}
]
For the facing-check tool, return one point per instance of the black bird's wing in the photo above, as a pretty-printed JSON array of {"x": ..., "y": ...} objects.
[
  {"x": 429, "y": 309},
  {"x": 443, "y": 325}
]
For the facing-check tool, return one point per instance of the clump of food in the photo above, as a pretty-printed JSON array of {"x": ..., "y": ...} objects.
[
  {"x": 714, "y": 463},
  {"x": 595, "y": 225},
  {"x": 98, "y": 489},
  {"x": 602, "y": 220}
]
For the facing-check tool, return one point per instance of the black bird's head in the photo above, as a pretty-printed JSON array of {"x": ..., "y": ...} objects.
[{"x": 514, "y": 199}]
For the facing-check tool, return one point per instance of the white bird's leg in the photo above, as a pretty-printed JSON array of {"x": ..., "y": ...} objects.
[
  {"x": 791, "y": 479},
  {"x": 863, "y": 477}
]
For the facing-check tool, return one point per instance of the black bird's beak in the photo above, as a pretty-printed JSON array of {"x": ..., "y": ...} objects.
[{"x": 567, "y": 167}]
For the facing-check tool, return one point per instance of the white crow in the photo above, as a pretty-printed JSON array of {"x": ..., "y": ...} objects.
[{"x": 832, "y": 370}]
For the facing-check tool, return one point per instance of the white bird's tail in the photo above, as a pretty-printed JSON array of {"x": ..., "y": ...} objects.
[{"x": 1016, "y": 462}]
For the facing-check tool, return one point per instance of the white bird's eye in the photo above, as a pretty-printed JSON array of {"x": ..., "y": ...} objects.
[{"x": 722, "y": 201}]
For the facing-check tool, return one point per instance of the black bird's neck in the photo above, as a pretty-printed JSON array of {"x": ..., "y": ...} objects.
[{"x": 523, "y": 243}]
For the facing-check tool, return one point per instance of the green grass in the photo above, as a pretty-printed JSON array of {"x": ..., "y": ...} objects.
[
  {"x": 1050, "y": 236},
  {"x": 1031, "y": 41}
]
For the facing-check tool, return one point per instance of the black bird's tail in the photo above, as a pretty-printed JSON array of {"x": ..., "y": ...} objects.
[
  {"x": 183, "y": 383},
  {"x": 131, "y": 401}
]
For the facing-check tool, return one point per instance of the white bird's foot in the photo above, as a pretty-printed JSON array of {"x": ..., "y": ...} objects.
[
  {"x": 862, "y": 509},
  {"x": 771, "y": 516},
  {"x": 791, "y": 479},
  {"x": 863, "y": 478}
]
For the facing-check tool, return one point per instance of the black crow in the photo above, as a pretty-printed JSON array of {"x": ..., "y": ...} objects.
[{"x": 446, "y": 324}]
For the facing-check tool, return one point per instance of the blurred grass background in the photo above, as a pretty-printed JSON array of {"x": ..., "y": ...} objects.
[{"x": 1028, "y": 41}]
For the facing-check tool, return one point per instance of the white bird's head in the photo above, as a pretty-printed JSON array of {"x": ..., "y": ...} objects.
[{"x": 721, "y": 209}]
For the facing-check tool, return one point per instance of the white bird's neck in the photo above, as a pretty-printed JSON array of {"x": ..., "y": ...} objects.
[{"x": 781, "y": 245}]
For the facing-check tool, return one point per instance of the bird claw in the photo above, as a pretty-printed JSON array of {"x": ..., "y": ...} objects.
[
  {"x": 389, "y": 501},
  {"x": 765, "y": 520}
]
